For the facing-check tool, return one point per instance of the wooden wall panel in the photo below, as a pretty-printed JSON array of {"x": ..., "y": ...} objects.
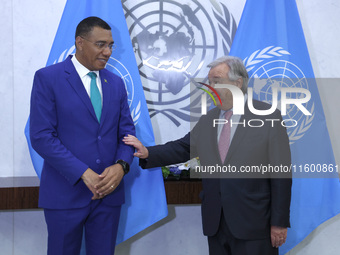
[{"x": 177, "y": 192}]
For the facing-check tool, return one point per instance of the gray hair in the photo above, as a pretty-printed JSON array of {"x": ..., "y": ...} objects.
[{"x": 237, "y": 69}]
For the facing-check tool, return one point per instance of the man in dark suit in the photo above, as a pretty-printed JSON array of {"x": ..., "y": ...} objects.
[
  {"x": 242, "y": 213},
  {"x": 79, "y": 115}
]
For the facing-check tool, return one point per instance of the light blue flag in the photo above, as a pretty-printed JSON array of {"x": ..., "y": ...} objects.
[
  {"x": 271, "y": 42},
  {"x": 145, "y": 201}
]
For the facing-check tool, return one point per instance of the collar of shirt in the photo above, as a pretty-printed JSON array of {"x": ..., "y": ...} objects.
[{"x": 82, "y": 72}]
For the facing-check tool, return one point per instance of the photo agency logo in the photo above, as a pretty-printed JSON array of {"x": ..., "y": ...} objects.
[{"x": 282, "y": 98}]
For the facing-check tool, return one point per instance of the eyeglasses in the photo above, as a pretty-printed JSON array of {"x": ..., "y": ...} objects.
[{"x": 102, "y": 45}]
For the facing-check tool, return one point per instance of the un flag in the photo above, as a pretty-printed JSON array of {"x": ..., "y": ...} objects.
[{"x": 271, "y": 42}]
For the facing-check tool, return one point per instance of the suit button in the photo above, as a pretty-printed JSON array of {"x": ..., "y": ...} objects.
[
  {"x": 98, "y": 161},
  {"x": 99, "y": 138}
]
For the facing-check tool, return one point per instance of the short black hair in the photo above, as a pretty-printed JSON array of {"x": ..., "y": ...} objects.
[{"x": 86, "y": 25}]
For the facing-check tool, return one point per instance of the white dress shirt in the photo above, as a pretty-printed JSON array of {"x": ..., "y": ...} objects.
[{"x": 82, "y": 72}]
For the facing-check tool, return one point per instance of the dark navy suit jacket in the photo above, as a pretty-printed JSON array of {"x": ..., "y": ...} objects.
[
  {"x": 250, "y": 205},
  {"x": 64, "y": 130}
]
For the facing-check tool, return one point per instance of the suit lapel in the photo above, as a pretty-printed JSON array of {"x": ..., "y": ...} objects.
[
  {"x": 106, "y": 94},
  {"x": 74, "y": 80}
]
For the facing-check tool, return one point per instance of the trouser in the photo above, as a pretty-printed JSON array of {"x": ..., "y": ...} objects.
[
  {"x": 224, "y": 243},
  {"x": 65, "y": 229}
]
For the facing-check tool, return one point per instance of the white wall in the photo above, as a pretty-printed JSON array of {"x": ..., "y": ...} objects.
[{"x": 28, "y": 29}]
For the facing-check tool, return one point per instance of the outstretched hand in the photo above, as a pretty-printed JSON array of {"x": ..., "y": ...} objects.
[{"x": 141, "y": 151}]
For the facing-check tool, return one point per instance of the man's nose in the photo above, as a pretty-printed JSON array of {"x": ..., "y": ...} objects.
[{"x": 107, "y": 51}]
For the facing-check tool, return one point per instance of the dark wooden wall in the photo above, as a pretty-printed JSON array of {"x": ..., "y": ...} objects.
[{"x": 177, "y": 192}]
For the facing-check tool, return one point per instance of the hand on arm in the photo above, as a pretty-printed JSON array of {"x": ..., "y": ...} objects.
[
  {"x": 278, "y": 235},
  {"x": 142, "y": 152}
]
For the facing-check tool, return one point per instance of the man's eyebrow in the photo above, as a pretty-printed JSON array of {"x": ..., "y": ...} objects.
[{"x": 103, "y": 41}]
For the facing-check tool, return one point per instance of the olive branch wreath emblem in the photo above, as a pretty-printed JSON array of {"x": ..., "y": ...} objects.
[
  {"x": 256, "y": 58},
  {"x": 226, "y": 24}
]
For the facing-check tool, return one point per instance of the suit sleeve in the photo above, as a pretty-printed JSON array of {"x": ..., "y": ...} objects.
[
  {"x": 43, "y": 133},
  {"x": 126, "y": 127},
  {"x": 170, "y": 153},
  {"x": 173, "y": 152},
  {"x": 279, "y": 154}
]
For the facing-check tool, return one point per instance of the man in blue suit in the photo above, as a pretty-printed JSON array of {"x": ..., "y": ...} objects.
[{"x": 79, "y": 116}]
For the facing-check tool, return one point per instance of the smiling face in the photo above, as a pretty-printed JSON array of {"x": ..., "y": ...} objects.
[
  {"x": 89, "y": 54},
  {"x": 219, "y": 75}
]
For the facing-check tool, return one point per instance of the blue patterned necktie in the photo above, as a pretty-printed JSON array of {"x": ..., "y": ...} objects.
[{"x": 96, "y": 98}]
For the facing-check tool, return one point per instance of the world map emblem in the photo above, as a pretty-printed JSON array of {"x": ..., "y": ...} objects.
[
  {"x": 268, "y": 71},
  {"x": 174, "y": 41}
]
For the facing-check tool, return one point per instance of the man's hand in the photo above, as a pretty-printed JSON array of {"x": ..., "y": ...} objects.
[
  {"x": 109, "y": 179},
  {"x": 278, "y": 235},
  {"x": 142, "y": 152},
  {"x": 91, "y": 178}
]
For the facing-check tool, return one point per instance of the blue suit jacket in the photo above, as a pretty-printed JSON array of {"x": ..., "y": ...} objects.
[{"x": 64, "y": 130}]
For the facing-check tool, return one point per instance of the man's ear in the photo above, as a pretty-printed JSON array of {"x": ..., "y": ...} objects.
[
  {"x": 79, "y": 43},
  {"x": 239, "y": 82}
]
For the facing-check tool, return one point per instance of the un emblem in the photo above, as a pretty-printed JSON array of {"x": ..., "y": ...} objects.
[
  {"x": 268, "y": 72},
  {"x": 174, "y": 41}
]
